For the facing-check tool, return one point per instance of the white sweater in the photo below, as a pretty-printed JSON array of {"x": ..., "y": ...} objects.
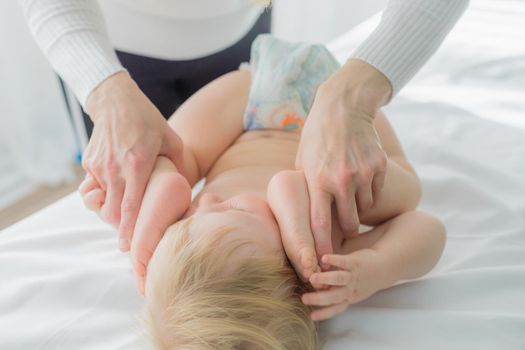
[{"x": 79, "y": 36}]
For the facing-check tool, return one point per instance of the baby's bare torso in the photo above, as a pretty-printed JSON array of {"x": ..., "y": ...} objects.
[{"x": 251, "y": 161}]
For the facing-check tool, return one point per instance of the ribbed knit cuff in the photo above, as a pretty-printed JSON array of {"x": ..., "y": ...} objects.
[
  {"x": 84, "y": 60},
  {"x": 408, "y": 34},
  {"x": 73, "y": 36}
]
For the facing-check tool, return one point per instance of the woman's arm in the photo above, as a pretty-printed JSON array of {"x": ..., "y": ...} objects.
[
  {"x": 408, "y": 34},
  {"x": 72, "y": 35}
]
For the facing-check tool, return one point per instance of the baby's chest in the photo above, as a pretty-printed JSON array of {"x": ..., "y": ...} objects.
[{"x": 261, "y": 151}]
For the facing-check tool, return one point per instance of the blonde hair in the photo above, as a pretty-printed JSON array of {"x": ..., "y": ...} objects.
[{"x": 192, "y": 304}]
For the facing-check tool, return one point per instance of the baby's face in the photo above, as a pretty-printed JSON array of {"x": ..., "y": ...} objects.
[{"x": 249, "y": 215}]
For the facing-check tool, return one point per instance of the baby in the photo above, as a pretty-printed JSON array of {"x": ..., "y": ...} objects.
[{"x": 220, "y": 277}]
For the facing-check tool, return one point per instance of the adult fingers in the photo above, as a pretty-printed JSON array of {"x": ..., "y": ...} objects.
[
  {"x": 321, "y": 220},
  {"x": 135, "y": 186},
  {"x": 331, "y": 296},
  {"x": 363, "y": 196},
  {"x": 377, "y": 185},
  {"x": 110, "y": 211},
  {"x": 173, "y": 148},
  {"x": 87, "y": 185},
  {"x": 94, "y": 199},
  {"x": 328, "y": 312},
  {"x": 347, "y": 213}
]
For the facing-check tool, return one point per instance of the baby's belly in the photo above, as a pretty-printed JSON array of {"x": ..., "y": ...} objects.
[{"x": 263, "y": 148}]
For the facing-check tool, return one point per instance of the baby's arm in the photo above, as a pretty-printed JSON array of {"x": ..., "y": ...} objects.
[
  {"x": 405, "y": 247},
  {"x": 210, "y": 121},
  {"x": 401, "y": 191}
]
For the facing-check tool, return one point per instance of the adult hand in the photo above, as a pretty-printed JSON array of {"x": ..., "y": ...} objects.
[
  {"x": 128, "y": 135},
  {"x": 340, "y": 152},
  {"x": 166, "y": 199}
]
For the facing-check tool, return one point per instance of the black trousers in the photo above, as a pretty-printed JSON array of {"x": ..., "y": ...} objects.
[{"x": 169, "y": 83}]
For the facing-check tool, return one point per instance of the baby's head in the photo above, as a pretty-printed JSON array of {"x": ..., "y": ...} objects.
[{"x": 220, "y": 279}]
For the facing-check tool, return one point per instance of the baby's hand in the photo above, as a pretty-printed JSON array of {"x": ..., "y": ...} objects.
[{"x": 360, "y": 275}]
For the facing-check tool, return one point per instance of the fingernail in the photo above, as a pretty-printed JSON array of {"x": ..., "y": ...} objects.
[
  {"x": 122, "y": 244},
  {"x": 141, "y": 286}
]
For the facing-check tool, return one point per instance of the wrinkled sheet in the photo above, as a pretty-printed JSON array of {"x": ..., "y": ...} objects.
[{"x": 65, "y": 285}]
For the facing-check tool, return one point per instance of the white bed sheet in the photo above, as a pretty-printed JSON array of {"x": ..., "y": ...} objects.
[{"x": 65, "y": 285}]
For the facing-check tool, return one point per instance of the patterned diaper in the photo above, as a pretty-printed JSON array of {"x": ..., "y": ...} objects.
[{"x": 285, "y": 78}]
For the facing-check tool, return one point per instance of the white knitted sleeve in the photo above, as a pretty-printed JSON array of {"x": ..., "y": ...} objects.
[
  {"x": 72, "y": 34},
  {"x": 409, "y": 33}
]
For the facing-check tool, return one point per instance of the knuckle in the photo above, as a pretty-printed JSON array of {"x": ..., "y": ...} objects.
[
  {"x": 91, "y": 164},
  {"x": 96, "y": 167},
  {"x": 340, "y": 279},
  {"x": 350, "y": 224},
  {"x": 135, "y": 160},
  {"x": 111, "y": 166},
  {"x": 346, "y": 175},
  {"x": 111, "y": 215},
  {"x": 86, "y": 162},
  {"x": 319, "y": 179},
  {"x": 129, "y": 206},
  {"x": 365, "y": 175},
  {"x": 321, "y": 223},
  {"x": 381, "y": 162}
]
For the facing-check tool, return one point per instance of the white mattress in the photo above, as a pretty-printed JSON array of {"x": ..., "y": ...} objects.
[{"x": 65, "y": 285}]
